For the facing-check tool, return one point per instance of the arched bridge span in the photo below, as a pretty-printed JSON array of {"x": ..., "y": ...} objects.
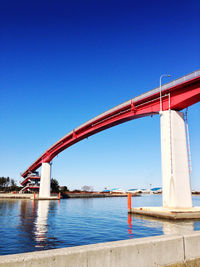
[{"x": 176, "y": 95}]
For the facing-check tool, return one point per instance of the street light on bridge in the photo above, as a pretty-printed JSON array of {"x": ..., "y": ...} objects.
[{"x": 163, "y": 75}]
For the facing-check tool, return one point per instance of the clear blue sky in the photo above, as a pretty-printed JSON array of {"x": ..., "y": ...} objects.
[{"x": 64, "y": 62}]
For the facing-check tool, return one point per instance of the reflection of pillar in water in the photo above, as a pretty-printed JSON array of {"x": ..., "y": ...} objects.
[
  {"x": 168, "y": 227},
  {"x": 179, "y": 227},
  {"x": 41, "y": 222}
]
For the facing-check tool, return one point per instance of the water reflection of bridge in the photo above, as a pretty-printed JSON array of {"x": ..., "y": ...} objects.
[{"x": 39, "y": 229}]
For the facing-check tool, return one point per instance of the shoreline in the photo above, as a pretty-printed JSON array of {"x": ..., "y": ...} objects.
[
  {"x": 72, "y": 195},
  {"x": 64, "y": 196},
  {"x": 92, "y": 195}
]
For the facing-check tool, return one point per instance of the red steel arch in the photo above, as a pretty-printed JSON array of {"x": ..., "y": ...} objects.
[{"x": 176, "y": 95}]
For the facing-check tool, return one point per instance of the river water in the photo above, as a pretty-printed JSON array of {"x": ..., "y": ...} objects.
[{"x": 28, "y": 225}]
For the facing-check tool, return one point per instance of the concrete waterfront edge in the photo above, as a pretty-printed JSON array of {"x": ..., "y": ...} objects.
[
  {"x": 192, "y": 246},
  {"x": 168, "y": 250},
  {"x": 15, "y": 196}
]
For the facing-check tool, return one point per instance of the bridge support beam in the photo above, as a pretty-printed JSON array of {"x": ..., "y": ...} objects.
[
  {"x": 175, "y": 170},
  {"x": 45, "y": 180}
]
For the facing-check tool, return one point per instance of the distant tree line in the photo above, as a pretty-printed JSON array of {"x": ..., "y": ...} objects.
[
  {"x": 56, "y": 188},
  {"x": 7, "y": 184},
  {"x": 87, "y": 188}
]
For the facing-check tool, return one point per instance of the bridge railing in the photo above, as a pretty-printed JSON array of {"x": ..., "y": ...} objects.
[{"x": 168, "y": 85}]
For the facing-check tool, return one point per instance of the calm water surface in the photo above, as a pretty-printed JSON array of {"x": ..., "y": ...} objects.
[{"x": 30, "y": 226}]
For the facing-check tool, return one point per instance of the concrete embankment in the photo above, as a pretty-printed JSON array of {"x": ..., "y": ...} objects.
[
  {"x": 16, "y": 196},
  {"x": 174, "y": 250}
]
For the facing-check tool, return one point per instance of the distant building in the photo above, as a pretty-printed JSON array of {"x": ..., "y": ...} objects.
[
  {"x": 118, "y": 190},
  {"x": 134, "y": 191},
  {"x": 146, "y": 191},
  {"x": 106, "y": 191},
  {"x": 156, "y": 190}
]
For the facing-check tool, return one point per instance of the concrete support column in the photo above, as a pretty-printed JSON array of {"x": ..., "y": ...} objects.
[
  {"x": 45, "y": 180},
  {"x": 175, "y": 170}
]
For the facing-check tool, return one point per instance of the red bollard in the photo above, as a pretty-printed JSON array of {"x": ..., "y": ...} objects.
[
  {"x": 129, "y": 202},
  {"x": 59, "y": 195},
  {"x": 34, "y": 196}
]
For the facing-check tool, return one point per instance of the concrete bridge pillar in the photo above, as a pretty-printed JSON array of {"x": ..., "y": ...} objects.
[
  {"x": 45, "y": 180},
  {"x": 175, "y": 170}
]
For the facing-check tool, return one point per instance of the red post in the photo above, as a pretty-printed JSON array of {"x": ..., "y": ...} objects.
[
  {"x": 129, "y": 202},
  {"x": 34, "y": 196},
  {"x": 59, "y": 195}
]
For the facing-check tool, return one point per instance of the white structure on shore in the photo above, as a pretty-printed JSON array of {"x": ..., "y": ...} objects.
[{"x": 117, "y": 190}]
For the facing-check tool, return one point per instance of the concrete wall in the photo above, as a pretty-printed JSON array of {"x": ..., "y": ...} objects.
[
  {"x": 17, "y": 195},
  {"x": 174, "y": 250}
]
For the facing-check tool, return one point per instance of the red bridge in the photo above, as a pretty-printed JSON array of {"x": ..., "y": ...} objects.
[{"x": 176, "y": 95}]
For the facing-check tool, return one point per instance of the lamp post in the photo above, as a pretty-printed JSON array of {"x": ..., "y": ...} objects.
[{"x": 163, "y": 75}]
